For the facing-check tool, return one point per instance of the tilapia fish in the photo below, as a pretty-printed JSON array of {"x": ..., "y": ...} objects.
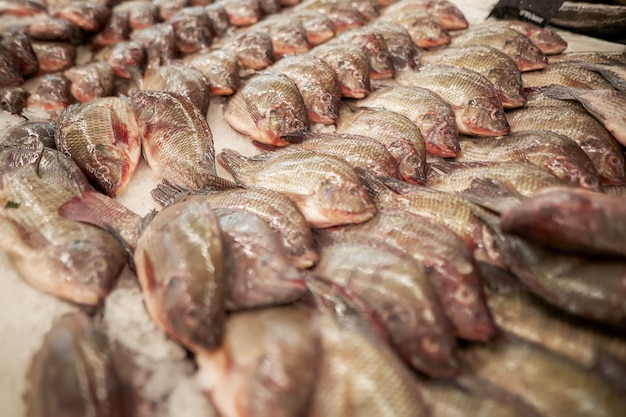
[
  {"x": 287, "y": 33},
  {"x": 565, "y": 74},
  {"x": 259, "y": 273},
  {"x": 253, "y": 49},
  {"x": 278, "y": 211},
  {"x": 555, "y": 152},
  {"x": 87, "y": 15},
  {"x": 518, "y": 46},
  {"x": 606, "y": 105},
  {"x": 141, "y": 14},
  {"x": 318, "y": 28},
  {"x": 242, "y": 12},
  {"x": 103, "y": 138},
  {"x": 220, "y": 68},
  {"x": 605, "y": 21},
  {"x": 317, "y": 83},
  {"x": 473, "y": 98},
  {"x": 445, "y": 12},
  {"x": 360, "y": 152},
  {"x": 73, "y": 261},
  {"x": 20, "y": 48},
  {"x": 72, "y": 374},
  {"x": 180, "y": 265},
  {"x": 494, "y": 65},
  {"x": 176, "y": 140},
  {"x": 401, "y": 137},
  {"x": 395, "y": 286},
  {"x": 127, "y": 59},
  {"x": 54, "y": 56},
  {"x": 344, "y": 17},
  {"x": 404, "y": 53},
  {"x": 350, "y": 65},
  {"x": 613, "y": 73},
  {"x": 547, "y": 40},
  {"x": 167, "y": 8},
  {"x": 115, "y": 30},
  {"x": 425, "y": 31},
  {"x": 91, "y": 81},
  {"x": 430, "y": 113},
  {"x": 597, "y": 142},
  {"x": 12, "y": 100},
  {"x": 22, "y": 7},
  {"x": 571, "y": 219},
  {"x": 324, "y": 188},
  {"x": 52, "y": 29},
  {"x": 267, "y": 118},
  {"x": 447, "y": 262},
  {"x": 158, "y": 41},
  {"x": 539, "y": 382},
  {"x": 10, "y": 75},
  {"x": 268, "y": 364},
  {"x": 375, "y": 47},
  {"x": 24, "y": 133},
  {"x": 192, "y": 29},
  {"x": 51, "y": 94}
]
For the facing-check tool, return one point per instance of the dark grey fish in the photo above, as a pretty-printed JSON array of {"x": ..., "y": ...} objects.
[
  {"x": 21, "y": 49},
  {"x": 90, "y": 81},
  {"x": 54, "y": 56},
  {"x": 88, "y": 15},
  {"x": 192, "y": 29},
  {"x": 10, "y": 75},
  {"x": 52, "y": 94},
  {"x": 12, "y": 100},
  {"x": 159, "y": 43},
  {"x": 253, "y": 49},
  {"x": 115, "y": 30},
  {"x": 53, "y": 29},
  {"x": 24, "y": 133}
]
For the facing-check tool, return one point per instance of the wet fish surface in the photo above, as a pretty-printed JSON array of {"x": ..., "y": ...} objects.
[
  {"x": 350, "y": 65},
  {"x": 566, "y": 75},
  {"x": 91, "y": 81},
  {"x": 221, "y": 70}
]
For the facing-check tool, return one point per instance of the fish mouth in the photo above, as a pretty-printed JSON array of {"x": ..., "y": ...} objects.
[
  {"x": 305, "y": 260},
  {"x": 532, "y": 65},
  {"x": 358, "y": 92}
]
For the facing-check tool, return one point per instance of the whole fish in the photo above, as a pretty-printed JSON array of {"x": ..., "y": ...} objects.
[
  {"x": 395, "y": 286},
  {"x": 318, "y": 27},
  {"x": 472, "y": 97},
  {"x": 20, "y": 48},
  {"x": 177, "y": 142},
  {"x": 445, "y": 12},
  {"x": 350, "y": 65},
  {"x": 220, "y": 25},
  {"x": 267, "y": 118},
  {"x": 404, "y": 53},
  {"x": 88, "y": 15},
  {"x": 10, "y": 75},
  {"x": 547, "y": 40},
  {"x": 259, "y": 273},
  {"x": 24, "y": 133},
  {"x": 430, "y": 113},
  {"x": 242, "y": 12},
  {"x": 278, "y": 211},
  {"x": 540, "y": 382},
  {"x": 220, "y": 68},
  {"x": 494, "y": 65},
  {"x": 373, "y": 43},
  {"x": 22, "y": 7},
  {"x": 159, "y": 43},
  {"x": 605, "y": 21},
  {"x": 343, "y": 17},
  {"x": 73, "y": 261},
  {"x": 317, "y": 83},
  {"x": 591, "y": 57},
  {"x": 180, "y": 265},
  {"x": 180, "y": 79},
  {"x": 127, "y": 59},
  {"x": 425, "y": 31},
  {"x": 287, "y": 33},
  {"x": 51, "y": 94},
  {"x": 103, "y": 138},
  {"x": 90, "y": 81},
  {"x": 192, "y": 29},
  {"x": 447, "y": 262},
  {"x": 401, "y": 137},
  {"x": 576, "y": 220},
  {"x": 73, "y": 374},
  {"x": 607, "y": 106},
  {"x": 53, "y": 29},
  {"x": 597, "y": 142},
  {"x": 555, "y": 152},
  {"x": 267, "y": 365},
  {"x": 567, "y": 75},
  {"x": 324, "y": 188},
  {"x": 12, "y": 99},
  {"x": 253, "y": 49},
  {"x": 54, "y": 56},
  {"x": 518, "y": 46},
  {"x": 116, "y": 29}
]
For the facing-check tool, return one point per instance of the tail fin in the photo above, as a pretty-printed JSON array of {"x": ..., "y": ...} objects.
[
  {"x": 233, "y": 162},
  {"x": 557, "y": 91}
]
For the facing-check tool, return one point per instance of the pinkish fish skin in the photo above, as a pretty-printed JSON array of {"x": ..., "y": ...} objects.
[
  {"x": 446, "y": 13},
  {"x": 115, "y": 30},
  {"x": 87, "y": 15},
  {"x": 91, "y": 81},
  {"x": 375, "y": 47},
  {"x": 54, "y": 56},
  {"x": 221, "y": 69},
  {"x": 351, "y": 66},
  {"x": 547, "y": 40},
  {"x": 192, "y": 29},
  {"x": 20, "y": 48},
  {"x": 254, "y": 49},
  {"x": 52, "y": 94}
]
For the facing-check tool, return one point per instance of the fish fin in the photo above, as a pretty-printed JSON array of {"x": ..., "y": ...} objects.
[
  {"x": 559, "y": 92},
  {"x": 398, "y": 186},
  {"x": 233, "y": 162},
  {"x": 618, "y": 82},
  {"x": 491, "y": 194},
  {"x": 165, "y": 194},
  {"x": 216, "y": 183},
  {"x": 373, "y": 185},
  {"x": 22, "y": 156},
  {"x": 265, "y": 148},
  {"x": 499, "y": 280}
]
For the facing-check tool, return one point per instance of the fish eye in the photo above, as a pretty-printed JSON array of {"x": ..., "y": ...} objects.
[
  {"x": 99, "y": 265},
  {"x": 472, "y": 102},
  {"x": 430, "y": 345},
  {"x": 614, "y": 160},
  {"x": 496, "y": 114},
  {"x": 381, "y": 57},
  {"x": 589, "y": 181},
  {"x": 508, "y": 42},
  {"x": 357, "y": 74}
]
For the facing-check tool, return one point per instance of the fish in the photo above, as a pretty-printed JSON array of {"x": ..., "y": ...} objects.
[
  {"x": 22, "y": 8},
  {"x": 343, "y": 17},
  {"x": 449, "y": 16},
  {"x": 400, "y": 136},
  {"x": 425, "y": 31},
  {"x": 192, "y": 29},
  {"x": 10, "y": 75},
  {"x": 547, "y": 40},
  {"x": 447, "y": 262},
  {"x": 12, "y": 100},
  {"x": 21, "y": 50},
  {"x": 88, "y": 15},
  {"x": 72, "y": 261},
  {"x": 180, "y": 266},
  {"x": 220, "y": 68},
  {"x": 350, "y": 65},
  {"x": 606, "y": 105},
  {"x": 53, "y": 29},
  {"x": 472, "y": 97},
  {"x": 141, "y": 14},
  {"x": 54, "y": 56},
  {"x": 604, "y": 21},
  {"x": 615, "y": 74},
  {"x": 242, "y": 12},
  {"x": 253, "y": 49},
  {"x": 287, "y": 33},
  {"x": 494, "y": 65},
  {"x": 518, "y": 46},
  {"x": 404, "y": 53},
  {"x": 537, "y": 381},
  {"x": 159, "y": 43},
  {"x": 56, "y": 168},
  {"x": 116, "y": 29},
  {"x": 536, "y": 98},
  {"x": 395, "y": 286},
  {"x": 267, "y": 118},
  {"x": 324, "y": 188},
  {"x": 90, "y": 81},
  {"x": 180, "y": 79},
  {"x": 51, "y": 94},
  {"x": 176, "y": 140},
  {"x": 102, "y": 136},
  {"x": 566, "y": 75},
  {"x": 318, "y": 28},
  {"x": 374, "y": 46},
  {"x": 278, "y": 211},
  {"x": 553, "y": 151},
  {"x": 360, "y": 152},
  {"x": 266, "y": 366},
  {"x": 259, "y": 273},
  {"x": 428, "y": 111},
  {"x": 24, "y": 133},
  {"x": 597, "y": 142},
  {"x": 317, "y": 83},
  {"x": 591, "y": 57},
  {"x": 127, "y": 59},
  {"x": 220, "y": 25},
  {"x": 576, "y": 220},
  {"x": 73, "y": 373},
  {"x": 167, "y": 8}
]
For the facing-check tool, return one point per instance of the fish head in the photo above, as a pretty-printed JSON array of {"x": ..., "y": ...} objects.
[
  {"x": 285, "y": 120},
  {"x": 412, "y": 169},
  {"x": 144, "y": 105},
  {"x": 525, "y": 53},
  {"x": 355, "y": 82},
  {"x": 127, "y": 59},
  {"x": 549, "y": 41},
  {"x": 613, "y": 170},
  {"x": 323, "y": 107},
  {"x": 485, "y": 116},
  {"x": 113, "y": 170},
  {"x": 573, "y": 173},
  {"x": 440, "y": 134},
  {"x": 428, "y": 33},
  {"x": 342, "y": 200},
  {"x": 449, "y": 15},
  {"x": 434, "y": 353},
  {"x": 508, "y": 86}
]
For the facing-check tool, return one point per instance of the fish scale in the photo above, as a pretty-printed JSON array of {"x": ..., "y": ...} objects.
[{"x": 567, "y": 75}]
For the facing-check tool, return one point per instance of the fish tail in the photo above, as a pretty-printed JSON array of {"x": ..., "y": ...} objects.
[
  {"x": 166, "y": 194},
  {"x": 557, "y": 91},
  {"x": 233, "y": 162}
]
